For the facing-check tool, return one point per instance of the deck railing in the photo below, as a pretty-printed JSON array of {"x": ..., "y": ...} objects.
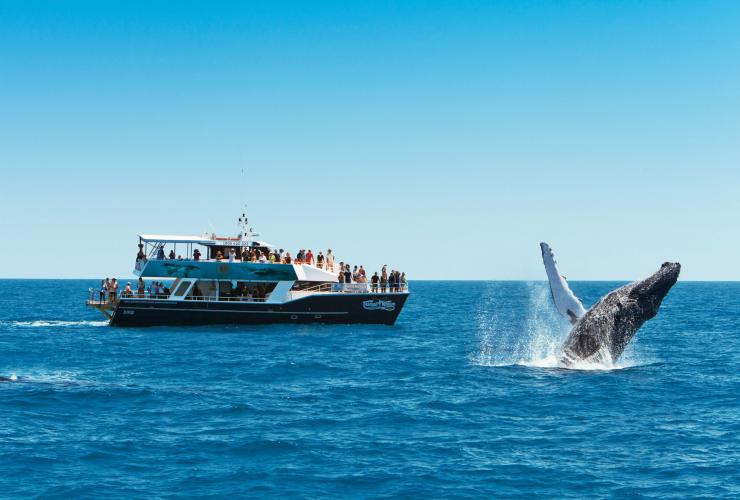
[{"x": 98, "y": 298}]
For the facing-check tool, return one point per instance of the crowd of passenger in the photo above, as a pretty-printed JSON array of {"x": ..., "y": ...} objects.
[
  {"x": 393, "y": 281},
  {"x": 383, "y": 282},
  {"x": 250, "y": 254},
  {"x": 109, "y": 290}
]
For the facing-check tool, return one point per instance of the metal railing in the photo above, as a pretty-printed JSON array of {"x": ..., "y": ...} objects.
[
  {"x": 95, "y": 297},
  {"x": 353, "y": 288}
]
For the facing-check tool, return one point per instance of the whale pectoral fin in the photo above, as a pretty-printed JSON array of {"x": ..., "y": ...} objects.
[{"x": 565, "y": 300}]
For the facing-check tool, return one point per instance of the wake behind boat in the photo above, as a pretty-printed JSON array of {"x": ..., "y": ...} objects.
[{"x": 240, "y": 280}]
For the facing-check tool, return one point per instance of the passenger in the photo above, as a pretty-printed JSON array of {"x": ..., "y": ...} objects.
[
  {"x": 383, "y": 279},
  {"x": 340, "y": 277},
  {"x": 329, "y": 260},
  {"x": 179, "y": 257},
  {"x": 196, "y": 254},
  {"x": 404, "y": 285},
  {"x": 320, "y": 260},
  {"x": 271, "y": 259},
  {"x": 127, "y": 292},
  {"x": 362, "y": 272},
  {"x": 288, "y": 260},
  {"x": 140, "y": 288},
  {"x": 103, "y": 290},
  {"x": 219, "y": 256},
  {"x": 301, "y": 257},
  {"x": 245, "y": 255},
  {"x": 232, "y": 255},
  {"x": 309, "y": 258},
  {"x": 279, "y": 256},
  {"x": 375, "y": 280},
  {"x": 114, "y": 285},
  {"x": 262, "y": 259},
  {"x": 347, "y": 274},
  {"x": 141, "y": 255},
  {"x": 356, "y": 275},
  {"x": 172, "y": 255},
  {"x": 160, "y": 253}
]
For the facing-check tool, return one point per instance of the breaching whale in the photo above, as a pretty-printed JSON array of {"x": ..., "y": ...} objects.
[{"x": 603, "y": 332}]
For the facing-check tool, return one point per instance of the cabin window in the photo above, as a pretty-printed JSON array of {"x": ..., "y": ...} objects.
[
  {"x": 313, "y": 286},
  {"x": 252, "y": 291},
  {"x": 203, "y": 290},
  {"x": 224, "y": 290},
  {"x": 180, "y": 291}
]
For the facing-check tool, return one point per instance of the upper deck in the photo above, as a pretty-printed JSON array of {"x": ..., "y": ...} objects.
[
  {"x": 213, "y": 261},
  {"x": 224, "y": 269}
]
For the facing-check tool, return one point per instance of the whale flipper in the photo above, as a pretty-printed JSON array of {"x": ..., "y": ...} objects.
[{"x": 565, "y": 300}]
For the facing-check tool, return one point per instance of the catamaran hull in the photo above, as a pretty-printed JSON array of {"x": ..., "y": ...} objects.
[{"x": 335, "y": 308}]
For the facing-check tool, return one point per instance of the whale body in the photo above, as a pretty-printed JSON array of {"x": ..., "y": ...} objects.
[{"x": 603, "y": 332}]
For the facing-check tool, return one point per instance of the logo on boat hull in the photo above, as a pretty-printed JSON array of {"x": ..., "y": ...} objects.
[{"x": 382, "y": 305}]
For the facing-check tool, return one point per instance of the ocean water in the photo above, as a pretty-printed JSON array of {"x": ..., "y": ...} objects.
[{"x": 462, "y": 398}]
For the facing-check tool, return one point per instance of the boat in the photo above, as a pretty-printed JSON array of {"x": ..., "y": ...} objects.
[{"x": 229, "y": 280}]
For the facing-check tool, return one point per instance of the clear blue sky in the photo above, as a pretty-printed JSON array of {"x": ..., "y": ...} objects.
[{"x": 443, "y": 138}]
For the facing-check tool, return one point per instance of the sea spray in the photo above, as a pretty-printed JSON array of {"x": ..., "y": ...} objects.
[{"x": 526, "y": 336}]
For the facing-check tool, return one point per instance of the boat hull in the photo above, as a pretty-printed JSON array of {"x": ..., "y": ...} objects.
[{"x": 326, "y": 308}]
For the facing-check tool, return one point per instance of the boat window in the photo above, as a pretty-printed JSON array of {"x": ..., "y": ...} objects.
[
  {"x": 203, "y": 290},
  {"x": 180, "y": 291},
  {"x": 252, "y": 291},
  {"x": 224, "y": 290},
  {"x": 315, "y": 286}
]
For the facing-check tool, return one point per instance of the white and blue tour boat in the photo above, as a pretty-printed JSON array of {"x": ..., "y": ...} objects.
[{"x": 215, "y": 284}]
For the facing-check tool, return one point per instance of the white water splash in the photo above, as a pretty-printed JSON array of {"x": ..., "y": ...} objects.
[
  {"x": 538, "y": 340},
  {"x": 55, "y": 323}
]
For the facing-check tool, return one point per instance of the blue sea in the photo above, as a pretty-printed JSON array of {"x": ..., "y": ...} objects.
[{"x": 461, "y": 398}]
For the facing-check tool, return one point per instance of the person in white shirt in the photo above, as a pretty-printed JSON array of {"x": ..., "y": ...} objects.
[
  {"x": 329, "y": 260},
  {"x": 232, "y": 255}
]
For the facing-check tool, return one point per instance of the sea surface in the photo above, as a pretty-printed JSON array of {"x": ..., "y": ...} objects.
[{"x": 461, "y": 398}]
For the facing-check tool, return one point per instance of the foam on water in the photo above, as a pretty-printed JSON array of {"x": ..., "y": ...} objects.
[
  {"x": 43, "y": 377},
  {"x": 55, "y": 323}
]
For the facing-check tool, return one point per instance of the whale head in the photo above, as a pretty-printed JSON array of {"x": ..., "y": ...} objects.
[{"x": 649, "y": 293}]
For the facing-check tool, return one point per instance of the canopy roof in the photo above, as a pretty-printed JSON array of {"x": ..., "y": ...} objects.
[{"x": 173, "y": 238}]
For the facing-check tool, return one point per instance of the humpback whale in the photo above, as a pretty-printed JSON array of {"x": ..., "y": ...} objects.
[{"x": 603, "y": 332}]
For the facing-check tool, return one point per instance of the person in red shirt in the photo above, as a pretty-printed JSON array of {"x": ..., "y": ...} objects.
[{"x": 309, "y": 258}]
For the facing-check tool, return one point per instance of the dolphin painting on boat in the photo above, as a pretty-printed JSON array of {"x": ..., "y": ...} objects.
[{"x": 603, "y": 332}]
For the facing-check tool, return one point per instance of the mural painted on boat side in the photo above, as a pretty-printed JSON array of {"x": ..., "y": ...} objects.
[{"x": 219, "y": 270}]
